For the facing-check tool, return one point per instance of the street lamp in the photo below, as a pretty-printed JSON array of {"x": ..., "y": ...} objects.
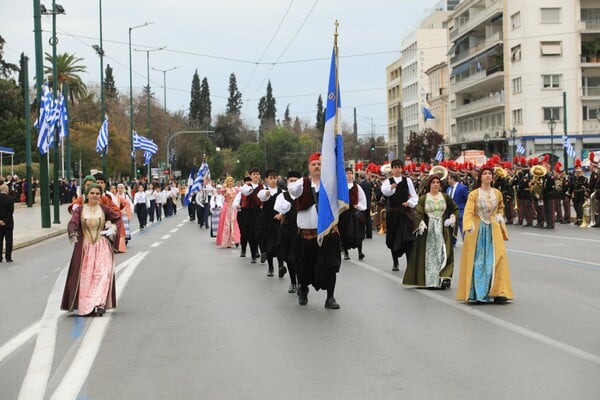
[
  {"x": 148, "y": 84},
  {"x": 552, "y": 126},
  {"x": 513, "y": 133},
  {"x": 131, "y": 96},
  {"x": 164, "y": 71},
  {"x": 100, "y": 51},
  {"x": 486, "y": 141},
  {"x": 56, "y": 9}
]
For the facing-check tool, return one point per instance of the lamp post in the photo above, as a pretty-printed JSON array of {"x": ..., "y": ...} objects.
[
  {"x": 56, "y": 9},
  {"x": 486, "y": 141},
  {"x": 513, "y": 133},
  {"x": 100, "y": 51},
  {"x": 148, "y": 84},
  {"x": 164, "y": 71},
  {"x": 131, "y": 96},
  {"x": 552, "y": 126}
]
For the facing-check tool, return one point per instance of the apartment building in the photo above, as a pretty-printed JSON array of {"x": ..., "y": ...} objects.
[
  {"x": 394, "y": 104},
  {"x": 520, "y": 70}
]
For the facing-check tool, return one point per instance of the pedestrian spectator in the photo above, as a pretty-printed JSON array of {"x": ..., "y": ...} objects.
[
  {"x": 90, "y": 284},
  {"x": 7, "y": 208},
  {"x": 484, "y": 274},
  {"x": 431, "y": 262},
  {"x": 141, "y": 207}
]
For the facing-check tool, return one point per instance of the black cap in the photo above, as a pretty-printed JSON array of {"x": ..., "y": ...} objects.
[{"x": 294, "y": 174}]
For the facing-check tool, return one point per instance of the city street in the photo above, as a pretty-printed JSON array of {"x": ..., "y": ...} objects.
[{"x": 197, "y": 322}]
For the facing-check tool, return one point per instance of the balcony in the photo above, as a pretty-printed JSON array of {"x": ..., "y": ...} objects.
[
  {"x": 590, "y": 92},
  {"x": 477, "y": 106},
  {"x": 589, "y": 26},
  {"x": 471, "y": 51},
  {"x": 591, "y": 126},
  {"x": 491, "y": 78},
  {"x": 492, "y": 8}
]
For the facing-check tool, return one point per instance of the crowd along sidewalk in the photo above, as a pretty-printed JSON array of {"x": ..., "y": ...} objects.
[{"x": 28, "y": 224}]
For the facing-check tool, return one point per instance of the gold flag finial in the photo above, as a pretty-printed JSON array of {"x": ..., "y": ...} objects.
[{"x": 335, "y": 34}]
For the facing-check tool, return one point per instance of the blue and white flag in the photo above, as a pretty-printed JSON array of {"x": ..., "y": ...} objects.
[
  {"x": 143, "y": 143},
  {"x": 569, "y": 147},
  {"x": 439, "y": 156},
  {"x": 521, "y": 149},
  {"x": 45, "y": 137},
  {"x": 102, "y": 142},
  {"x": 333, "y": 191},
  {"x": 63, "y": 119},
  {"x": 188, "y": 191},
  {"x": 427, "y": 114}
]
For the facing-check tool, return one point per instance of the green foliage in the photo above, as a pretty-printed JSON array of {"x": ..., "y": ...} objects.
[
  {"x": 234, "y": 101},
  {"x": 267, "y": 110},
  {"x": 250, "y": 156},
  {"x": 6, "y": 68},
  {"x": 110, "y": 90},
  {"x": 227, "y": 131},
  {"x": 287, "y": 119},
  {"x": 11, "y": 100},
  {"x": 423, "y": 145},
  {"x": 67, "y": 69},
  {"x": 204, "y": 115},
  {"x": 320, "y": 115},
  {"x": 194, "y": 115}
]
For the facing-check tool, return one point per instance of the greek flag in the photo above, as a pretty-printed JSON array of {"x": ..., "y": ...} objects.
[
  {"x": 143, "y": 143},
  {"x": 568, "y": 146},
  {"x": 427, "y": 114},
  {"x": 333, "y": 191},
  {"x": 521, "y": 148},
  {"x": 439, "y": 156},
  {"x": 203, "y": 173},
  {"x": 45, "y": 137},
  {"x": 188, "y": 191},
  {"x": 102, "y": 142},
  {"x": 63, "y": 119}
]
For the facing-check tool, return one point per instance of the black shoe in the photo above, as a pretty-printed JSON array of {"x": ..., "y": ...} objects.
[
  {"x": 445, "y": 283},
  {"x": 346, "y": 255},
  {"x": 243, "y": 254},
  {"x": 263, "y": 258},
  {"x": 331, "y": 304},
  {"x": 100, "y": 311},
  {"x": 500, "y": 299},
  {"x": 395, "y": 268},
  {"x": 282, "y": 271},
  {"x": 302, "y": 296},
  {"x": 270, "y": 271},
  {"x": 361, "y": 256},
  {"x": 253, "y": 261},
  {"x": 293, "y": 288},
  {"x": 9, "y": 260},
  {"x": 577, "y": 223},
  {"x": 548, "y": 227}
]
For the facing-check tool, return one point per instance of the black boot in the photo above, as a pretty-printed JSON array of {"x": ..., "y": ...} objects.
[{"x": 302, "y": 296}]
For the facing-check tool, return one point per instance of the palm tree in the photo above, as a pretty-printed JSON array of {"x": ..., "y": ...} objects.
[{"x": 67, "y": 68}]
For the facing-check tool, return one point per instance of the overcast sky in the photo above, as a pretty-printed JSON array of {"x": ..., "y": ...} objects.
[{"x": 286, "y": 41}]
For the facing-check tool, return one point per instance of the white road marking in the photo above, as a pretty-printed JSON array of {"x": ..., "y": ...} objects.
[
  {"x": 165, "y": 237},
  {"x": 572, "y": 260},
  {"x": 155, "y": 244},
  {"x": 180, "y": 225},
  {"x": 18, "y": 340},
  {"x": 173, "y": 230},
  {"x": 561, "y": 237},
  {"x": 78, "y": 371},
  {"x": 538, "y": 337}
]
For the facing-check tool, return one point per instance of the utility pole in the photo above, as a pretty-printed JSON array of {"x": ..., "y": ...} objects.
[
  {"x": 25, "y": 86},
  {"x": 355, "y": 127},
  {"x": 565, "y": 155}
]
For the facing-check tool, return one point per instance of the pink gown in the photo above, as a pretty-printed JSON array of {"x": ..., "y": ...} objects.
[{"x": 228, "y": 233}]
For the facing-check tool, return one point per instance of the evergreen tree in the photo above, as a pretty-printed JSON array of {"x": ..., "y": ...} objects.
[
  {"x": 267, "y": 110},
  {"x": 21, "y": 80},
  {"x": 297, "y": 126},
  {"x": 6, "y": 68},
  {"x": 234, "y": 102},
  {"x": 194, "y": 115},
  {"x": 205, "y": 104},
  {"x": 320, "y": 115},
  {"x": 287, "y": 120},
  {"x": 110, "y": 90}
]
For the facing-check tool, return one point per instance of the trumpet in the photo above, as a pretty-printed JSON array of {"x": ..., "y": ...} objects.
[{"x": 515, "y": 199}]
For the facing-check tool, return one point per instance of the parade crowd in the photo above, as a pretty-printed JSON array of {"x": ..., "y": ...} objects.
[{"x": 422, "y": 210}]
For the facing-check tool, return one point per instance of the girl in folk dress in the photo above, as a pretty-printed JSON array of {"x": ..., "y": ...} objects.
[{"x": 228, "y": 234}]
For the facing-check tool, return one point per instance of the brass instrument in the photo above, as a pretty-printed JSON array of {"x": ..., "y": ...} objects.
[
  {"x": 593, "y": 208},
  {"x": 500, "y": 172},
  {"x": 440, "y": 171},
  {"x": 586, "y": 223},
  {"x": 536, "y": 184},
  {"x": 515, "y": 199}
]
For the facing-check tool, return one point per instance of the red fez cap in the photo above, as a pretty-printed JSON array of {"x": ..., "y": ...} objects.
[{"x": 314, "y": 157}]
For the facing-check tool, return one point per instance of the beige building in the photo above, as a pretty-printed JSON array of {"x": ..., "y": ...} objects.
[
  {"x": 438, "y": 100},
  {"x": 394, "y": 103}
]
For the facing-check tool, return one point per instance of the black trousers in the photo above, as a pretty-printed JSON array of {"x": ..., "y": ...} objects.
[
  {"x": 308, "y": 253},
  {"x": 368, "y": 224},
  {"x": 6, "y": 234},
  {"x": 142, "y": 213},
  {"x": 151, "y": 210}
]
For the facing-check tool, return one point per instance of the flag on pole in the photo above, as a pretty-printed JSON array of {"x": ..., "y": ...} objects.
[
  {"x": 521, "y": 148},
  {"x": 568, "y": 146},
  {"x": 143, "y": 143},
  {"x": 102, "y": 141},
  {"x": 63, "y": 119},
  {"x": 188, "y": 191},
  {"x": 439, "y": 156},
  {"x": 333, "y": 191},
  {"x": 427, "y": 114},
  {"x": 45, "y": 138}
]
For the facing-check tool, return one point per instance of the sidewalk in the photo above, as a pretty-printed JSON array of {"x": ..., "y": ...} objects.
[{"x": 28, "y": 224}]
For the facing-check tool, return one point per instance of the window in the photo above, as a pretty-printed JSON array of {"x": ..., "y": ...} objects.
[
  {"x": 516, "y": 85},
  {"x": 590, "y": 112},
  {"x": 517, "y": 116},
  {"x": 515, "y": 20},
  {"x": 552, "y": 81},
  {"x": 551, "y": 113},
  {"x": 551, "y": 48},
  {"x": 550, "y": 15},
  {"x": 515, "y": 53}
]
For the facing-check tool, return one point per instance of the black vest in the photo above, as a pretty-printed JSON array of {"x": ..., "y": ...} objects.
[
  {"x": 400, "y": 195},
  {"x": 290, "y": 217},
  {"x": 268, "y": 207}
]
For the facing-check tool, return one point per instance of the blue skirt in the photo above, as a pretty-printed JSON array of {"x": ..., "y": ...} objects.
[{"x": 483, "y": 266}]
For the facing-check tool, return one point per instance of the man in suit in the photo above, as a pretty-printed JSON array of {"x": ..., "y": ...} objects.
[
  {"x": 459, "y": 193},
  {"x": 7, "y": 208}
]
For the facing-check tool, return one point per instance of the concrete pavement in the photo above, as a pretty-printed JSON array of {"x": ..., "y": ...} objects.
[{"x": 28, "y": 224}]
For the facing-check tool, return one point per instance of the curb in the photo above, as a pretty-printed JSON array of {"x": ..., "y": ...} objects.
[{"x": 39, "y": 239}]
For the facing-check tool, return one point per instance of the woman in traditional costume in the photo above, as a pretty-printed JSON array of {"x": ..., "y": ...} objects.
[
  {"x": 90, "y": 285},
  {"x": 484, "y": 274},
  {"x": 228, "y": 234},
  {"x": 431, "y": 262}
]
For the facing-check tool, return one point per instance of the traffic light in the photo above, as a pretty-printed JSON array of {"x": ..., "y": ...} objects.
[
  {"x": 139, "y": 171},
  {"x": 372, "y": 146}
]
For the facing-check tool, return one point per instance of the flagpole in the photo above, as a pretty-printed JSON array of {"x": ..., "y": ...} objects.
[{"x": 337, "y": 91}]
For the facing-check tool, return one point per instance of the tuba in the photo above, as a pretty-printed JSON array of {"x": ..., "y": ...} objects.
[
  {"x": 536, "y": 185},
  {"x": 441, "y": 172}
]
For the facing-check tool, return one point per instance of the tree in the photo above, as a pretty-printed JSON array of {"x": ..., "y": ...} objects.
[
  {"x": 110, "y": 90},
  {"x": 227, "y": 131},
  {"x": 250, "y": 156},
  {"x": 234, "y": 101},
  {"x": 67, "y": 69},
  {"x": 205, "y": 104},
  {"x": 287, "y": 120},
  {"x": 6, "y": 68},
  {"x": 267, "y": 110},
  {"x": 297, "y": 127},
  {"x": 423, "y": 145},
  {"x": 194, "y": 115},
  {"x": 320, "y": 115}
]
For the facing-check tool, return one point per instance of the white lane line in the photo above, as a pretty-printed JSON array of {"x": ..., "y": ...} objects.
[
  {"x": 165, "y": 237},
  {"x": 538, "y": 337},
  {"x": 18, "y": 340},
  {"x": 180, "y": 225},
  {"x": 561, "y": 237},
  {"x": 78, "y": 371},
  {"x": 56, "y": 269},
  {"x": 36, "y": 379},
  {"x": 571, "y": 260},
  {"x": 155, "y": 244},
  {"x": 173, "y": 230}
]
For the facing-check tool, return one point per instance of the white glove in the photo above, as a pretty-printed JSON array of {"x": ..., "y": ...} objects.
[
  {"x": 499, "y": 218},
  {"x": 450, "y": 221},
  {"x": 421, "y": 228},
  {"x": 73, "y": 238},
  {"x": 110, "y": 230}
]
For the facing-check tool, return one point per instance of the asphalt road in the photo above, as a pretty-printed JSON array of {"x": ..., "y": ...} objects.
[{"x": 197, "y": 322}]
